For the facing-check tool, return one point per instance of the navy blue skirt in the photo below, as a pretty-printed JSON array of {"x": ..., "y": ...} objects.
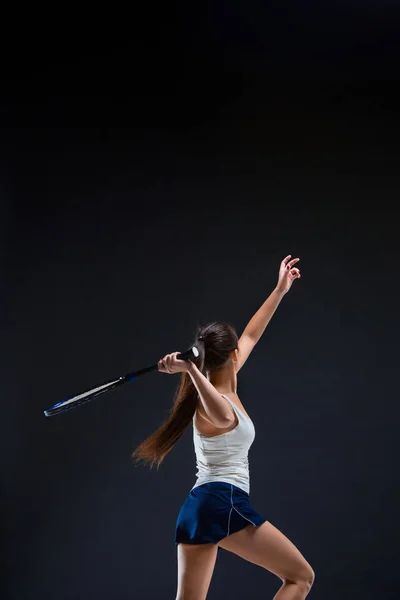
[{"x": 213, "y": 511}]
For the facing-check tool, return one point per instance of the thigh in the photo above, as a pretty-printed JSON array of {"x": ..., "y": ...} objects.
[
  {"x": 195, "y": 568},
  {"x": 267, "y": 547}
]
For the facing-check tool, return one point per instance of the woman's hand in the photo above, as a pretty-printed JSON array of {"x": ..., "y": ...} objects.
[
  {"x": 287, "y": 274},
  {"x": 170, "y": 364}
]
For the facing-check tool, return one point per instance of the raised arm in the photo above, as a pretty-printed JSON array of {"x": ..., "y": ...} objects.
[
  {"x": 257, "y": 324},
  {"x": 215, "y": 407}
]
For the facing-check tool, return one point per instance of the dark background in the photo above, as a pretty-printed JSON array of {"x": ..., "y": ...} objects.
[{"x": 156, "y": 166}]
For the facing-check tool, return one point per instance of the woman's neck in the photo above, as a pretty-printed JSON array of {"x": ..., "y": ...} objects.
[{"x": 225, "y": 380}]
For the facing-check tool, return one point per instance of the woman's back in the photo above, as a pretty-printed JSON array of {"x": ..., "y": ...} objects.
[{"x": 224, "y": 456}]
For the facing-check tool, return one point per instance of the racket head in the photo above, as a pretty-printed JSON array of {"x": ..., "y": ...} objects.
[
  {"x": 86, "y": 396},
  {"x": 78, "y": 400}
]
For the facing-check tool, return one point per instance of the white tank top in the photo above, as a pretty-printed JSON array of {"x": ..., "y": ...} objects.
[{"x": 224, "y": 457}]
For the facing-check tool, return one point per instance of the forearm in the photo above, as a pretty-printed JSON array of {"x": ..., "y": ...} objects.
[
  {"x": 215, "y": 407},
  {"x": 257, "y": 324}
]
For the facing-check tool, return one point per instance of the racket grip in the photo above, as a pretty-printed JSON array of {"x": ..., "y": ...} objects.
[{"x": 188, "y": 354}]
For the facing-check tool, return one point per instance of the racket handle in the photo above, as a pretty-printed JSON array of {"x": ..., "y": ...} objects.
[{"x": 188, "y": 354}]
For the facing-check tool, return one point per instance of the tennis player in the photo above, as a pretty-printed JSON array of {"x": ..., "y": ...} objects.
[{"x": 217, "y": 512}]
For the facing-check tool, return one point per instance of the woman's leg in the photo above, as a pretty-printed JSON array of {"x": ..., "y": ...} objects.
[
  {"x": 267, "y": 547},
  {"x": 195, "y": 568}
]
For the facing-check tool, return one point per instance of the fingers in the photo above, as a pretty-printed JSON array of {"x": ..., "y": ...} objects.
[
  {"x": 289, "y": 263},
  {"x": 168, "y": 362},
  {"x": 165, "y": 364},
  {"x": 171, "y": 364},
  {"x": 295, "y": 273}
]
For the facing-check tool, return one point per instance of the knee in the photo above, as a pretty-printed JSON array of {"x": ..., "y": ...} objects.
[
  {"x": 304, "y": 580},
  {"x": 307, "y": 579},
  {"x": 312, "y": 577}
]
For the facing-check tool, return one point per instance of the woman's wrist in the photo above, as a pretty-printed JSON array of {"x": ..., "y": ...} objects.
[
  {"x": 279, "y": 292},
  {"x": 191, "y": 367}
]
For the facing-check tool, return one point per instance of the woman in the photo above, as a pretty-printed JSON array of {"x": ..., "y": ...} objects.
[{"x": 217, "y": 512}]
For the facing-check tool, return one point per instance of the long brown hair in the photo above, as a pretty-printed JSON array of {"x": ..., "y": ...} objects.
[{"x": 219, "y": 340}]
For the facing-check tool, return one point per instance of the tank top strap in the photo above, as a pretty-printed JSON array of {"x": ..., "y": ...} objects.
[{"x": 235, "y": 408}]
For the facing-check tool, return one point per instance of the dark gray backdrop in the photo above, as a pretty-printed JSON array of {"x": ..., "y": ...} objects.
[{"x": 154, "y": 173}]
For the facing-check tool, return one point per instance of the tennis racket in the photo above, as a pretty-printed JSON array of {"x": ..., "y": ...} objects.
[{"x": 88, "y": 395}]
